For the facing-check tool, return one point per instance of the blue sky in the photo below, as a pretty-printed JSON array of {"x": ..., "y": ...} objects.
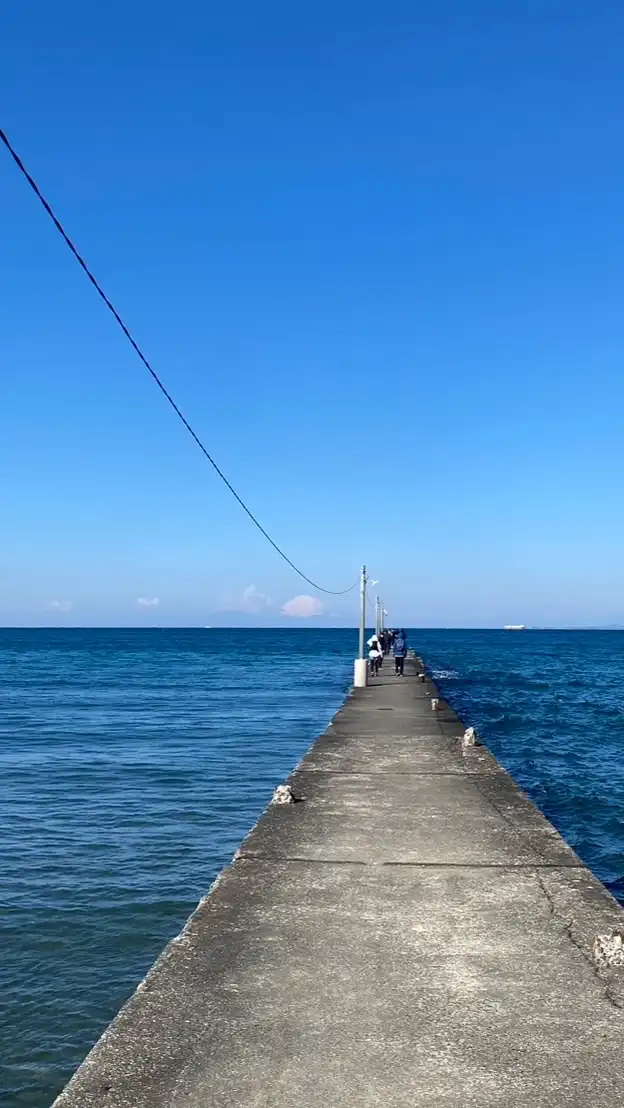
[{"x": 376, "y": 251}]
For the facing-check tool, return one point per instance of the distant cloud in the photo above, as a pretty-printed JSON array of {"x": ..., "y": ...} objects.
[
  {"x": 302, "y": 607},
  {"x": 251, "y": 601},
  {"x": 148, "y": 601},
  {"x": 60, "y": 605}
]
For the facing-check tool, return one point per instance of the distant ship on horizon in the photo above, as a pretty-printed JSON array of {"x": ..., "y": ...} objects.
[{"x": 514, "y": 627}]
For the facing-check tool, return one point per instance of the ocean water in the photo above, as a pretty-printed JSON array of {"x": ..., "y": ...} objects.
[
  {"x": 550, "y": 705},
  {"x": 133, "y": 762}
]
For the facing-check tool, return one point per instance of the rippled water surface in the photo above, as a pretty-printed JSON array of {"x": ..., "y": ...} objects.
[
  {"x": 131, "y": 765},
  {"x": 133, "y": 762},
  {"x": 550, "y": 705}
]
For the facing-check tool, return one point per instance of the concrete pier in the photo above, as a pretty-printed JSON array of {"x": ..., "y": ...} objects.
[{"x": 413, "y": 932}]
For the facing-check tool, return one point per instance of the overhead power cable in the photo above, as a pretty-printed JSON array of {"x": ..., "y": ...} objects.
[{"x": 112, "y": 309}]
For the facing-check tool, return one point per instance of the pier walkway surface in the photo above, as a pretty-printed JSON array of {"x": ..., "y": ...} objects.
[{"x": 413, "y": 933}]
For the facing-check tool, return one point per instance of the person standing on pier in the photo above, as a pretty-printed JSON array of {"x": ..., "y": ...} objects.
[
  {"x": 400, "y": 650},
  {"x": 375, "y": 654}
]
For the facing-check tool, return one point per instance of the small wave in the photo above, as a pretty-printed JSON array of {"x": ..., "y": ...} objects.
[
  {"x": 616, "y": 888},
  {"x": 444, "y": 674}
]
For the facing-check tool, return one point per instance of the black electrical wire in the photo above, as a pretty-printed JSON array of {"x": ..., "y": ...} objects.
[{"x": 34, "y": 186}]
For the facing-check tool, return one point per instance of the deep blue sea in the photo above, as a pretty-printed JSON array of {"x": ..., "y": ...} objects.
[{"x": 133, "y": 762}]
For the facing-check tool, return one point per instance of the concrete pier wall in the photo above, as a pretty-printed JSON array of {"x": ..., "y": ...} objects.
[{"x": 412, "y": 933}]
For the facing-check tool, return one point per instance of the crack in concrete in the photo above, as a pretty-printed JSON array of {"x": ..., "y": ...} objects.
[{"x": 569, "y": 928}]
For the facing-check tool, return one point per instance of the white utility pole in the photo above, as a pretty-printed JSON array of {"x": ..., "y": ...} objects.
[{"x": 360, "y": 675}]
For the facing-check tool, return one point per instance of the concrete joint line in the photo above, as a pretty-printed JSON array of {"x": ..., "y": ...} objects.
[
  {"x": 461, "y": 771},
  {"x": 510, "y": 867}
]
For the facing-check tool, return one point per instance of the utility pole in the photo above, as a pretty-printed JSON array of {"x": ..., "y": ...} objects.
[
  {"x": 363, "y": 611},
  {"x": 360, "y": 679},
  {"x": 377, "y": 615}
]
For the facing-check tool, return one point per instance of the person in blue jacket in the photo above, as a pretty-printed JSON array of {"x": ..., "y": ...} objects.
[{"x": 400, "y": 650}]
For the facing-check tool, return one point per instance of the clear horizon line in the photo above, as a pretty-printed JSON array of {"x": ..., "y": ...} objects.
[{"x": 290, "y": 627}]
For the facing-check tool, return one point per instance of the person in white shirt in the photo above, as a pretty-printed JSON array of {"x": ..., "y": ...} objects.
[{"x": 375, "y": 654}]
